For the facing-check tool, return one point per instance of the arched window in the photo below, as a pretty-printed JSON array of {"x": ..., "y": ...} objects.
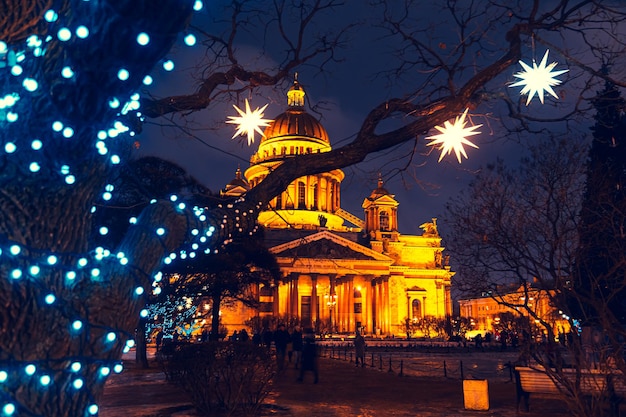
[
  {"x": 301, "y": 195},
  {"x": 357, "y": 293},
  {"x": 384, "y": 221},
  {"x": 416, "y": 309}
]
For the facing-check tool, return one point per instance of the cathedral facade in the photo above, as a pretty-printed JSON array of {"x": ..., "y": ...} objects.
[{"x": 342, "y": 273}]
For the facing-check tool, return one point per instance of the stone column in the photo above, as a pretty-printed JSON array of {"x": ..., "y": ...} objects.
[
  {"x": 276, "y": 300},
  {"x": 314, "y": 316},
  {"x": 340, "y": 308},
  {"x": 371, "y": 307},
  {"x": 378, "y": 305},
  {"x": 332, "y": 311},
  {"x": 288, "y": 296},
  {"x": 326, "y": 195},
  {"x": 386, "y": 305},
  {"x": 295, "y": 297},
  {"x": 366, "y": 300},
  {"x": 351, "y": 322},
  {"x": 409, "y": 310},
  {"x": 447, "y": 301}
]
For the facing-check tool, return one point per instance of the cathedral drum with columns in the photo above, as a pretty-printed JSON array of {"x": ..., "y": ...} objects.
[{"x": 341, "y": 273}]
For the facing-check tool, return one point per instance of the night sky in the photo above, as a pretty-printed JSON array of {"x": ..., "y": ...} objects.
[{"x": 347, "y": 92}]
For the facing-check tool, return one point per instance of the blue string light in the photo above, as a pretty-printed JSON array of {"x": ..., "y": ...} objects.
[{"x": 34, "y": 266}]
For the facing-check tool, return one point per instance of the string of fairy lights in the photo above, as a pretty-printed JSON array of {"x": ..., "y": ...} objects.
[{"x": 25, "y": 264}]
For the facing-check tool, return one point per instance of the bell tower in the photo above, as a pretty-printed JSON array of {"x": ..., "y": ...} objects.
[{"x": 381, "y": 214}]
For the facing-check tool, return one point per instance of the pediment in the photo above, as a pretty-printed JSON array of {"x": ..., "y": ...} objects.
[
  {"x": 383, "y": 200},
  {"x": 326, "y": 245}
]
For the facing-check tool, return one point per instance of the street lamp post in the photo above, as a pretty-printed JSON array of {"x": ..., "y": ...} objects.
[{"x": 331, "y": 301}]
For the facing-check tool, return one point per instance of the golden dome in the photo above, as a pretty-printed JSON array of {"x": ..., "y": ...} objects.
[
  {"x": 295, "y": 121},
  {"x": 380, "y": 190}
]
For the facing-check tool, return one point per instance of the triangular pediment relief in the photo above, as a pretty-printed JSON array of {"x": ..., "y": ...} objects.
[
  {"x": 383, "y": 200},
  {"x": 326, "y": 245}
]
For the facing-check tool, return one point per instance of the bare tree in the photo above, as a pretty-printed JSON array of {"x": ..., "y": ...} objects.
[
  {"x": 70, "y": 306},
  {"x": 515, "y": 234}
]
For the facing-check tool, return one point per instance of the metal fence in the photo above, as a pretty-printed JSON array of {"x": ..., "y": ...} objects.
[{"x": 445, "y": 360}]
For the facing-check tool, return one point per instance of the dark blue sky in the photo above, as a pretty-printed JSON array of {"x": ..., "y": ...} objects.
[{"x": 348, "y": 90}]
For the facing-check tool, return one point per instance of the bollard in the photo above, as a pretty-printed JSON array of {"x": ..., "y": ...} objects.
[
  {"x": 380, "y": 361},
  {"x": 461, "y": 368},
  {"x": 401, "y": 367},
  {"x": 350, "y": 357},
  {"x": 390, "y": 370},
  {"x": 476, "y": 394}
]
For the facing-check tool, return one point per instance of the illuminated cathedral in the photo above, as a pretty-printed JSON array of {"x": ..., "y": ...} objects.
[{"x": 341, "y": 273}]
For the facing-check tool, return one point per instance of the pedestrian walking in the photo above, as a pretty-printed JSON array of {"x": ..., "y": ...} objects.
[
  {"x": 281, "y": 339},
  {"x": 296, "y": 340},
  {"x": 309, "y": 356},
  {"x": 159, "y": 340},
  {"x": 359, "y": 349},
  {"x": 266, "y": 337}
]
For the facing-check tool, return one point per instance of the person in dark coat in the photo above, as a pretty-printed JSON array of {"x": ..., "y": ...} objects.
[
  {"x": 309, "y": 356},
  {"x": 296, "y": 341},
  {"x": 359, "y": 349},
  {"x": 159, "y": 340},
  {"x": 281, "y": 339},
  {"x": 266, "y": 337}
]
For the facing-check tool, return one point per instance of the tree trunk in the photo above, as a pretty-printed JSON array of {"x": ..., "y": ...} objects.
[
  {"x": 215, "y": 318},
  {"x": 69, "y": 308}
]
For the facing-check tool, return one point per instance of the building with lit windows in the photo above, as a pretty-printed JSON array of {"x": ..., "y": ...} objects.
[
  {"x": 488, "y": 311},
  {"x": 341, "y": 272}
]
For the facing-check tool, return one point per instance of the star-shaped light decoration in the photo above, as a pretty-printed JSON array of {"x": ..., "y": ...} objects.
[
  {"x": 249, "y": 122},
  {"x": 453, "y": 136},
  {"x": 538, "y": 79}
]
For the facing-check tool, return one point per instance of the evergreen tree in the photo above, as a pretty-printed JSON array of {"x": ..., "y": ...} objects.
[{"x": 600, "y": 273}]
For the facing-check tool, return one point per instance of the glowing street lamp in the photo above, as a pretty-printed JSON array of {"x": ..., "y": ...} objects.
[{"x": 331, "y": 301}]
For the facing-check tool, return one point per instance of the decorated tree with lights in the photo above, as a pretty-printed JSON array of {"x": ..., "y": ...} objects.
[
  {"x": 70, "y": 105},
  {"x": 70, "y": 72}
]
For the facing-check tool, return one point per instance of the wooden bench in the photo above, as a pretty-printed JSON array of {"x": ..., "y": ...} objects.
[{"x": 534, "y": 380}]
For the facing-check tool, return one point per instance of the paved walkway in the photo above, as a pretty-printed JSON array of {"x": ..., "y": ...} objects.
[{"x": 343, "y": 390}]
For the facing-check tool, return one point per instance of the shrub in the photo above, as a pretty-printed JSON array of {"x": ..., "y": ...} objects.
[{"x": 223, "y": 377}]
